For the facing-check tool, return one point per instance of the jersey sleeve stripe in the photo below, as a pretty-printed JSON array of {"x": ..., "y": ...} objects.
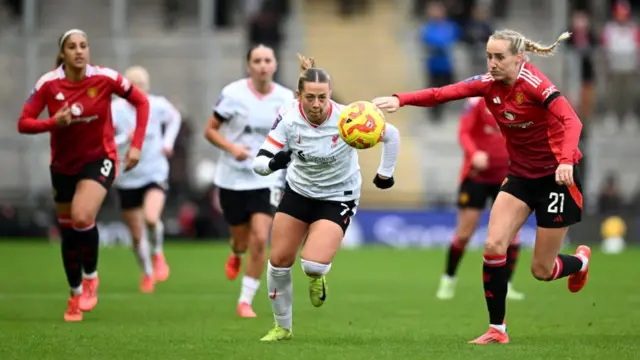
[
  {"x": 529, "y": 80},
  {"x": 529, "y": 74},
  {"x": 550, "y": 98},
  {"x": 275, "y": 143}
]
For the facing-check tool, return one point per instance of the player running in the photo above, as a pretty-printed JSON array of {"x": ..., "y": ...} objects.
[
  {"x": 239, "y": 124},
  {"x": 542, "y": 132},
  {"x": 321, "y": 194},
  {"x": 142, "y": 190},
  {"x": 84, "y": 160},
  {"x": 485, "y": 166}
]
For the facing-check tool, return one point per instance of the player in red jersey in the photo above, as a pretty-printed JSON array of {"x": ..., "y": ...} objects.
[
  {"x": 77, "y": 96},
  {"x": 485, "y": 166},
  {"x": 542, "y": 132}
]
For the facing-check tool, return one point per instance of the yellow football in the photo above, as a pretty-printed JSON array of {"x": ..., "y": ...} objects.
[{"x": 361, "y": 125}]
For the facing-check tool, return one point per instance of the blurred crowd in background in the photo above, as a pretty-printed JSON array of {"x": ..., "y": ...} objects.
[{"x": 602, "y": 43}]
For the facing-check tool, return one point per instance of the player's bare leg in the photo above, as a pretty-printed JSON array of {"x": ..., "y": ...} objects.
[
  {"x": 466, "y": 225},
  {"x": 153, "y": 205},
  {"x": 321, "y": 245},
  {"x": 239, "y": 243},
  {"x": 85, "y": 205},
  {"x": 547, "y": 264},
  {"x": 286, "y": 236},
  {"x": 260, "y": 226},
  {"x": 72, "y": 261},
  {"x": 134, "y": 220},
  {"x": 508, "y": 214}
]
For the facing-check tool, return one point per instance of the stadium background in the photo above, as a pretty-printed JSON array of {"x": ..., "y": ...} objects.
[{"x": 192, "y": 48}]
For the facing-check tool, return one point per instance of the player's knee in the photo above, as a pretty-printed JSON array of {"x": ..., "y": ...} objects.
[
  {"x": 258, "y": 243},
  {"x": 82, "y": 219},
  {"x": 313, "y": 268},
  {"x": 281, "y": 260},
  {"x": 495, "y": 246},
  {"x": 541, "y": 271}
]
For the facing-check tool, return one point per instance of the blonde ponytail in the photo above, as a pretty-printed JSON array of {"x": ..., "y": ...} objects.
[
  {"x": 520, "y": 44},
  {"x": 306, "y": 62}
]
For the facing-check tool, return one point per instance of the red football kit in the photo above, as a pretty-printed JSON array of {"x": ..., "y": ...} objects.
[
  {"x": 479, "y": 131},
  {"x": 90, "y": 136},
  {"x": 540, "y": 127}
]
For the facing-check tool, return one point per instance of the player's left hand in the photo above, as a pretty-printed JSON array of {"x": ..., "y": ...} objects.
[
  {"x": 388, "y": 104},
  {"x": 132, "y": 158},
  {"x": 383, "y": 182},
  {"x": 168, "y": 152},
  {"x": 564, "y": 174}
]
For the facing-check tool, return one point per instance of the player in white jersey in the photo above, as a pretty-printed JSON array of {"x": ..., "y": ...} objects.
[
  {"x": 239, "y": 124},
  {"x": 322, "y": 191},
  {"x": 142, "y": 189}
]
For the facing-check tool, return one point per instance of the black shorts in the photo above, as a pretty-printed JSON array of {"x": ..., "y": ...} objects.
[
  {"x": 102, "y": 171},
  {"x": 134, "y": 198},
  {"x": 238, "y": 205},
  {"x": 473, "y": 194},
  {"x": 311, "y": 210},
  {"x": 555, "y": 205}
]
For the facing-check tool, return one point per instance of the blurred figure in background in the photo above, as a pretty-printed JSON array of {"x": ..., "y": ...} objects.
[
  {"x": 348, "y": 8},
  {"x": 609, "y": 199},
  {"x": 179, "y": 185},
  {"x": 438, "y": 36},
  {"x": 620, "y": 39},
  {"x": 476, "y": 33},
  {"x": 266, "y": 20},
  {"x": 583, "y": 42}
]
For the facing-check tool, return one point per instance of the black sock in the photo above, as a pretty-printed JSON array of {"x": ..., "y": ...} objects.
[
  {"x": 454, "y": 256},
  {"x": 89, "y": 243},
  {"x": 565, "y": 265},
  {"x": 512, "y": 258},
  {"x": 71, "y": 257},
  {"x": 494, "y": 275}
]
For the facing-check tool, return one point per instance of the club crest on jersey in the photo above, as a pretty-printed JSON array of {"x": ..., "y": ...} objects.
[
  {"x": 509, "y": 115},
  {"x": 76, "y": 109},
  {"x": 519, "y": 98},
  {"x": 334, "y": 141},
  {"x": 92, "y": 92}
]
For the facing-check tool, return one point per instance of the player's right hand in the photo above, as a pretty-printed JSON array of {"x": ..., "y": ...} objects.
[
  {"x": 240, "y": 152},
  {"x": 387, "y": 103},
  {"x": 63, "y": 116},
  {"x": 480, "y": 160}
]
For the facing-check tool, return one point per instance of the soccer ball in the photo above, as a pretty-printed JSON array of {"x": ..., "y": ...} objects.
[{"x": 361, "y": 125}]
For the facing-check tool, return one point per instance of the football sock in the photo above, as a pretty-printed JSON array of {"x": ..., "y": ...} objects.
[
  {"x": 89, "y": 241},
  {"x": 141, "y": 250},
  {"x": 156, "y": 237},
  {"x": 71, "y": 259},
  {"x": 456, "y": 250},
  {"x": 512, "y": 258},
  {"x": 280, "y": 291},
  {"x": 566, "y": 265},
  {"x": 249, "y": 288},
  {"x": 494, "y": 276}
]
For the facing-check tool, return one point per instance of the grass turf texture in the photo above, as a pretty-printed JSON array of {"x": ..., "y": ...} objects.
[{"x": 381, "y": 305}]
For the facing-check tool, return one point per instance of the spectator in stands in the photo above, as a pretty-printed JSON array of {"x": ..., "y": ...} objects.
[
  {"x": 266, "y": 20},
  {"x": 348, "y": 8},
  {"x": 476, "y": 34},
  {"x": 609, "y": 199},
  {"x": 179, "y": 187},
  {"x": 621, "y": 42},
  {"x": 438, "y": 36},
  {"x": 583, "y": 43}
]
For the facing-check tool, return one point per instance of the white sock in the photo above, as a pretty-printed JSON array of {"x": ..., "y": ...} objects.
[
  {"x": 92, "y": 275},
  {"x": 141, "y": 250},
  {"x": 502, "y": 328},
  {"x": 280, "y": 289},
  {"x": 314, "y": 269},
  {"x": 249, "y": 288},
  {"x": 77, "y": 291},
  {"x": 584, "y": 260},
  {"x": 156, "y": 237}
]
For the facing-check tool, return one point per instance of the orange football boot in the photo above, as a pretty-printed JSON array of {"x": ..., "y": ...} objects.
[
  {"x": 493, "y": 336},
  {"x": 89, "y": 297},
  {"x": 245, "y": 310},
  {"x": 160, "y": 267},
  {"x": 73, "y": 313},
  {"x": 232, "y": 267},
  {"x": 578, "y": 280}
]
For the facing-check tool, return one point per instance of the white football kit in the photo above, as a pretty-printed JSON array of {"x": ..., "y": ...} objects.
[
  {"x": 247, "y": 118},
  {"x": 153, "y": 166},
  {"x": 323, "y": 166}
]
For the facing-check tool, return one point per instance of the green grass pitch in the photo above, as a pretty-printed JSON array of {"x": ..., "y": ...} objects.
[{"x": 381, "y": 305}]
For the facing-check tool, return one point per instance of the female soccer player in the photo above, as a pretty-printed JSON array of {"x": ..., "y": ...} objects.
[
  {"x": 485, "y": 166},
  {"x": 239, "y": 124},
  {"x": 142, "y": 190},
  {"x": 84, "y": 159},
  {"x": 542, "y": 133},
  {"x": 321, "y": 194}
]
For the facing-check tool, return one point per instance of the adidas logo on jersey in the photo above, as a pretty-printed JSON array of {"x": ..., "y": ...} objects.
[{"x": 59, "y": 96}]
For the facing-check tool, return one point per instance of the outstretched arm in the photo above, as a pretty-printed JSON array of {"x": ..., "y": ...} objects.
[{"x": 475, "y": 86}]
